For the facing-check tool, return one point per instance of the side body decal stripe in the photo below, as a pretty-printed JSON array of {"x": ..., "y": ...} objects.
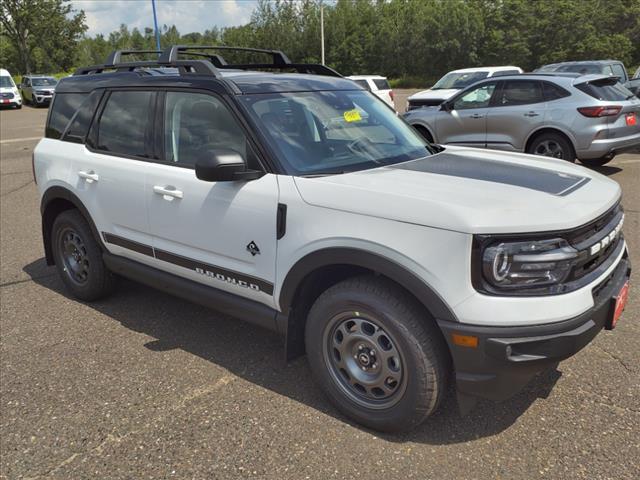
[{"x": 218, "y": 273}]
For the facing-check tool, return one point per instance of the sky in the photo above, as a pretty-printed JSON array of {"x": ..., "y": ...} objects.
[{"x": 104, "y": 16}]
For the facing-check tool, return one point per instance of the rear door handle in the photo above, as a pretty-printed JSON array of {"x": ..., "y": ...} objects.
[
  {"x": 476, "y": 115},
  {"x": 167, "y": 191},
  {"x": 531, "y": 114},
  {"x": 89, "y": 176}
]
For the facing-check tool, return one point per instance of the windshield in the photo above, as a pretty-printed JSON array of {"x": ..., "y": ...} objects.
[
  {"x": 583, "y": 69},
  {"x": 459, "y": 80},
  {"x": 317, "y": 133},
  {"x": 6, "y": 82},
  {"x": 44, "y": 82}
]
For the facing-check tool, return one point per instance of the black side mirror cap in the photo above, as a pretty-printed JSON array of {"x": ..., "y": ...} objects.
[
  {"x": 224, "y": 165},
  {"x": 446, "y": 106}
]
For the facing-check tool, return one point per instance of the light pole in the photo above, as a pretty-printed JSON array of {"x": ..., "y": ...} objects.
[
  {"x": 155, "y": 24},
  {"x": 322, "y": 32}
]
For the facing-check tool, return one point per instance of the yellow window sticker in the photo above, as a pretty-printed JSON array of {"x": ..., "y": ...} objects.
[{"x": 352, "y": 115}]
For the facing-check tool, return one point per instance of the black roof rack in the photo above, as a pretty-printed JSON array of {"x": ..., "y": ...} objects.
[
  {"x": 280, "y": 60},
  {"x": 170, "y": 54},
  {"x": 116, "y": 56},
  {"x": 169, "y": 58}
]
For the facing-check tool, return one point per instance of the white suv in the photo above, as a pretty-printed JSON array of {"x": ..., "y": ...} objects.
[
  {"x": 301, "y": 203},
  {"x": 377, "y": 85}
]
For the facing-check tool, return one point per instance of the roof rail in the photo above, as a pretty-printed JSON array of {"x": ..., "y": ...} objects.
[
  {"x": 280, "y": 60},
  {"x": 170, "y": 54},
  {"x": 116, "y": 56},
  {"x": 199, "y": 67}
]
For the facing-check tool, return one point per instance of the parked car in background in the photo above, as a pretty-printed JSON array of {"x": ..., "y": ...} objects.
[
  {"x": 589, "y": 117},
  {"x": 612, "y": 68},
  {"x": 455, "y": 81},
  {"x": 377, "y": 85},
  {"x": 37, "y": 90},
  {"x": 9, "y": 95}
]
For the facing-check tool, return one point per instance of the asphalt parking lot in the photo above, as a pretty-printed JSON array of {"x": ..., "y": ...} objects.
[{"x": 143, "y": 385}]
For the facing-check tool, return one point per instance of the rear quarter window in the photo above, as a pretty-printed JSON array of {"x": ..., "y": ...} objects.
[
  {"x": 553, "y": 92},
  {"x": 77, "y": 130},
  {"x": 605, "y": 91},
  {"x": 381, "y": 84},
  {"x": 62, "y": 110}
]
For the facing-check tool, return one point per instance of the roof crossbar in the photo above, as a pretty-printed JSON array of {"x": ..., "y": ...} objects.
[
  {"x": 116, "y": 56},
  {"x": 171, "y": 54}
]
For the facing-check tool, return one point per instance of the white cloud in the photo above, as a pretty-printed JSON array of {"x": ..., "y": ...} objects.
[{"x": 105, "y": 16}]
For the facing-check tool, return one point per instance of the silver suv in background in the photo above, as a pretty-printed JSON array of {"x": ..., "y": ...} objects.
[
  {"x": 377, "y": 85},
  {"x": 37, "y": 90},
  {"x": 568, "y": 116}
]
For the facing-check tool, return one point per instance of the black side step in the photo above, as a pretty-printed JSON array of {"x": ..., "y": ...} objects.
[{"x": 251, "y": 311}]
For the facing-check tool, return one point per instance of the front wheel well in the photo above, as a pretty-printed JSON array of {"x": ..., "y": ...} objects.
[{"x": 317, "y": 282}]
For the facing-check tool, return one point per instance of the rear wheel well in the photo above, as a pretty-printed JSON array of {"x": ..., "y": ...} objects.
[
  {"x": 54, "y": 208},
  {"x": 316, "y": 283},
  {"x": 542, "y": 131}
]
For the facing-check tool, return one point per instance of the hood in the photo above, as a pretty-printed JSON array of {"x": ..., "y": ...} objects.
[
  {"x": 13, "y": 90},
  {"x": 472, "y": 191},
  {"x": 434, "y": 94}
]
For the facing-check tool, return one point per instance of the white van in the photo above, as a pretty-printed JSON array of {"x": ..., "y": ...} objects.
[
  {"x": 9, "y": 95},
  {"x": 377, "y": 85}
]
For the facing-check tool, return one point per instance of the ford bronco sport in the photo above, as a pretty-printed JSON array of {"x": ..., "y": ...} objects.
[{"x": 295, "y": 199}]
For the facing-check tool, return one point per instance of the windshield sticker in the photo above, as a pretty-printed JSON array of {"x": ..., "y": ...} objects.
[{"x": 352, "y": 116}]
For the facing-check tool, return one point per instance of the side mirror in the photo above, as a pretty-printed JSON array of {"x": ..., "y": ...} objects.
[
  {"x": 224, "y": 165},
  {"x": 446, "y": 106}
]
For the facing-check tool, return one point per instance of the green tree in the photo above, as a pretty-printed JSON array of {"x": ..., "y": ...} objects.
[{"x": 46, "y": 29}]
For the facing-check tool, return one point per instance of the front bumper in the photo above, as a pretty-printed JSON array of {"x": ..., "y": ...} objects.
[
  {"x": 507, "y": 358},
  {"x": 609, "y": 146},
  {"x": 43, "y": 99}
]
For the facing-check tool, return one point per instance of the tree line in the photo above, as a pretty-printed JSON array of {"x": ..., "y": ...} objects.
[{"x": 407, "y": 39}]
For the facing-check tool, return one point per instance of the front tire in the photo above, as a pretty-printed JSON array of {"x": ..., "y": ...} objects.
[
  {"x": 372, "y": 349},
  {"x": 552, "y": 145},
  {"x": 78, "y": 258}
]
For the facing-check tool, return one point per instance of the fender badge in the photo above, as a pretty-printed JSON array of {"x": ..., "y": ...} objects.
[{"x": 253, "y": 249}]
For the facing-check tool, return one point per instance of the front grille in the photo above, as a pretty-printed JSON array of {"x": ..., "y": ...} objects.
[
  {"x": 584, "y": 238},
  {"x": 6, "y": 95},
  {"x": 414, "y": 104}
]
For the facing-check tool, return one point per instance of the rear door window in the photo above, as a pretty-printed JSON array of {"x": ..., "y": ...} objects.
[
  {"x": 363, "y": 83},
  {"x": 606, "y": 89},
  {"x": 125, "y": 123},
  {"x": 381, "y": 83},
  {"x": 520, "y": 92}
]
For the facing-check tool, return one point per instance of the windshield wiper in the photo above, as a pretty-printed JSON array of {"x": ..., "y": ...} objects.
[
  {"x": 323, "y": 174},
  {"x": 630, "y": 96}
]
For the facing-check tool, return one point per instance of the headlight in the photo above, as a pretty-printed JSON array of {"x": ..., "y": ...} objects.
[{"x": 509, "y": 266}]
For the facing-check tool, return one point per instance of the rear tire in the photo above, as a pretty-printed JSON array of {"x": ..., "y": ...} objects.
[
  {"x": 78, "y": 258},
  {"x": 376, "y": 355},
  {"x": 552, "y": 145},
  {"x": 596, "y": 162}
]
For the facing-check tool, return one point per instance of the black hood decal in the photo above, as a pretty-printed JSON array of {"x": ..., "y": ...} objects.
[{"x": 534, "y": 178}]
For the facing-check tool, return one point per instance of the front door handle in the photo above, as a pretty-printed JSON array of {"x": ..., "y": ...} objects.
[
  {"x": 89, "y": 176},
  {"x": 476, "y": 115},
  {"x": 531, "y": 114},
  {"x": 167, "y": 191}
]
